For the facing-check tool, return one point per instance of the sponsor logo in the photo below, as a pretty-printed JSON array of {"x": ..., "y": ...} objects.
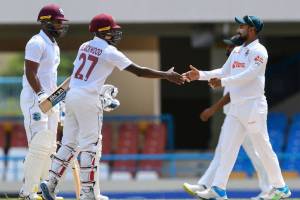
[
  {"x": 237, "y": 64},
  {"x": 36, "y": 116},
  {"x": 57, "y": 93}
]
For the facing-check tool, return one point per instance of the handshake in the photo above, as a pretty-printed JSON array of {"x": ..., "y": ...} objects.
[
  {"x": 194, "y": 74},
  {"x": 191, "y": 75}
]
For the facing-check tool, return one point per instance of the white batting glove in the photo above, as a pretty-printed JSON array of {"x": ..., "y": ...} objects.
[
  {"x": 42, "y": 96},
  {"x": 108, "y": 99},
  {"x": 108, "y": 90},
  {"x": 110, "y": 104}
]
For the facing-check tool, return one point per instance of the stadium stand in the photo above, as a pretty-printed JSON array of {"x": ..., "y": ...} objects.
[
  {"x": 277, "y": 120},
  {"x": 18, "y": 138},
  {"x": 154, "y": 143},
  {"x": 15, "y": 169},
  {"x": 1, "y": 135},
  {"x": 284, "y": 136},
  {"x": 291, "y": 165},
  {"x": 107, "y": 138},
  {"x": 127, "y": 144}
]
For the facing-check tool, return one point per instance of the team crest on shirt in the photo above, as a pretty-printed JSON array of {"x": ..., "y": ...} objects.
[
  {"x": 258, "y": 60},
  {"x": 36, "y": 116}
]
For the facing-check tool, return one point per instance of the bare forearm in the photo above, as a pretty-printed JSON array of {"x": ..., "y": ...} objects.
[
  {"x": 33, "y": 81},
  {"x": 169, "y": 75},
  {"x": 31, "y": 69},
  {"x": 146, "y": 72},
  {"x": 221, "y": 103}
]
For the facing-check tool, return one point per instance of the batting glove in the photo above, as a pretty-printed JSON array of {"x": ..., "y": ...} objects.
[{"x": 108, "y": 99}]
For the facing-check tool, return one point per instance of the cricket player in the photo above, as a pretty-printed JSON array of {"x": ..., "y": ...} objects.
[
  {"x": 206, "y": 180},
  {"x": 243, "y": 74},
  {"x": 42, "y": 57},
  {"x": 95, "y": 61}
]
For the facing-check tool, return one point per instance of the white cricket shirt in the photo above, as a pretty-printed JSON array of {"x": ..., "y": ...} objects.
[
  {"x": 94, "y": 62},
  {"x": 243, "y": 74},
  {"x": 42, "y": 50}
]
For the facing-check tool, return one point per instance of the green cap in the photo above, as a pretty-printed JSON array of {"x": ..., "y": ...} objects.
[{"x": 250, "y": 20}]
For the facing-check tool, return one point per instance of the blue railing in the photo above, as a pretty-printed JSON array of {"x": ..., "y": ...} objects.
[
  {"x": 171, "y": 157},
  {"x": 18, "y": 79},
  {"x": 11, "y": 80},
  {"x": 15, "y": 160}
]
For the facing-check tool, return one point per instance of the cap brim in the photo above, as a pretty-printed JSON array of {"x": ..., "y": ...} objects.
[
  {"x": 116, "y": 26},
  {"x": 61, "y": 18},
  {"x": 228, "y": 42},
  {"x": 239, "y": 20}
]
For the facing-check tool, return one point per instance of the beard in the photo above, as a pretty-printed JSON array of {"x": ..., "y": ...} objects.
[
  {"x": 243, "y": 34},
  {"x": 55, "y": 32}
]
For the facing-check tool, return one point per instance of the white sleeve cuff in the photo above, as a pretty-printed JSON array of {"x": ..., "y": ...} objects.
[
  {"x": 202, "y": 76},
  {"x": 224, "y": 82},
  {"x": 36, "y": 60}
]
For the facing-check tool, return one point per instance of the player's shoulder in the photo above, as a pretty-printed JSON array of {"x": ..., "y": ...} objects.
[
  {"x": 111, "y": 50},
  {"x": 237, "y": 49},
  {"x": 36, "y": 41},
  {"x": 260, "y": 49}
]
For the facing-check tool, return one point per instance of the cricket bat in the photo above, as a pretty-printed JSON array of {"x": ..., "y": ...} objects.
[
  {"x": 75, "y": 171},
  {"x": 58, "y": 95}
]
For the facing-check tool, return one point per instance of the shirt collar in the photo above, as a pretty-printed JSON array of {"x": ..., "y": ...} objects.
[
  {"x": 46, "y": 38},
  {"x": 252, "y": 44},
  {"x": 100, "y": 40}
]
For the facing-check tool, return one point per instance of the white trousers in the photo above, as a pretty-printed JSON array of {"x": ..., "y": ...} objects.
[
  {"x": 34, "y": 119},
  {"x": 246, "y": 119},
  {"x": 83, "y": 120},
  {"x": 82, "y": 126},
  {"x": 39, "y": 126},
  {"x": 208, "y": 176}
]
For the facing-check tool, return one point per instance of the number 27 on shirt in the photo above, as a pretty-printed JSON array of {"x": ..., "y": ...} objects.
[{"x": 83, "y": 58}]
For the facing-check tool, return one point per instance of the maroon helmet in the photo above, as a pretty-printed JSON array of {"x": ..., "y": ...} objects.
[
  {"x": 104, "y": 25},
  {"x": 103, "y": 22},
  {"x": 51, "y": 12},
  {"x": 48, "y": 16}
]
